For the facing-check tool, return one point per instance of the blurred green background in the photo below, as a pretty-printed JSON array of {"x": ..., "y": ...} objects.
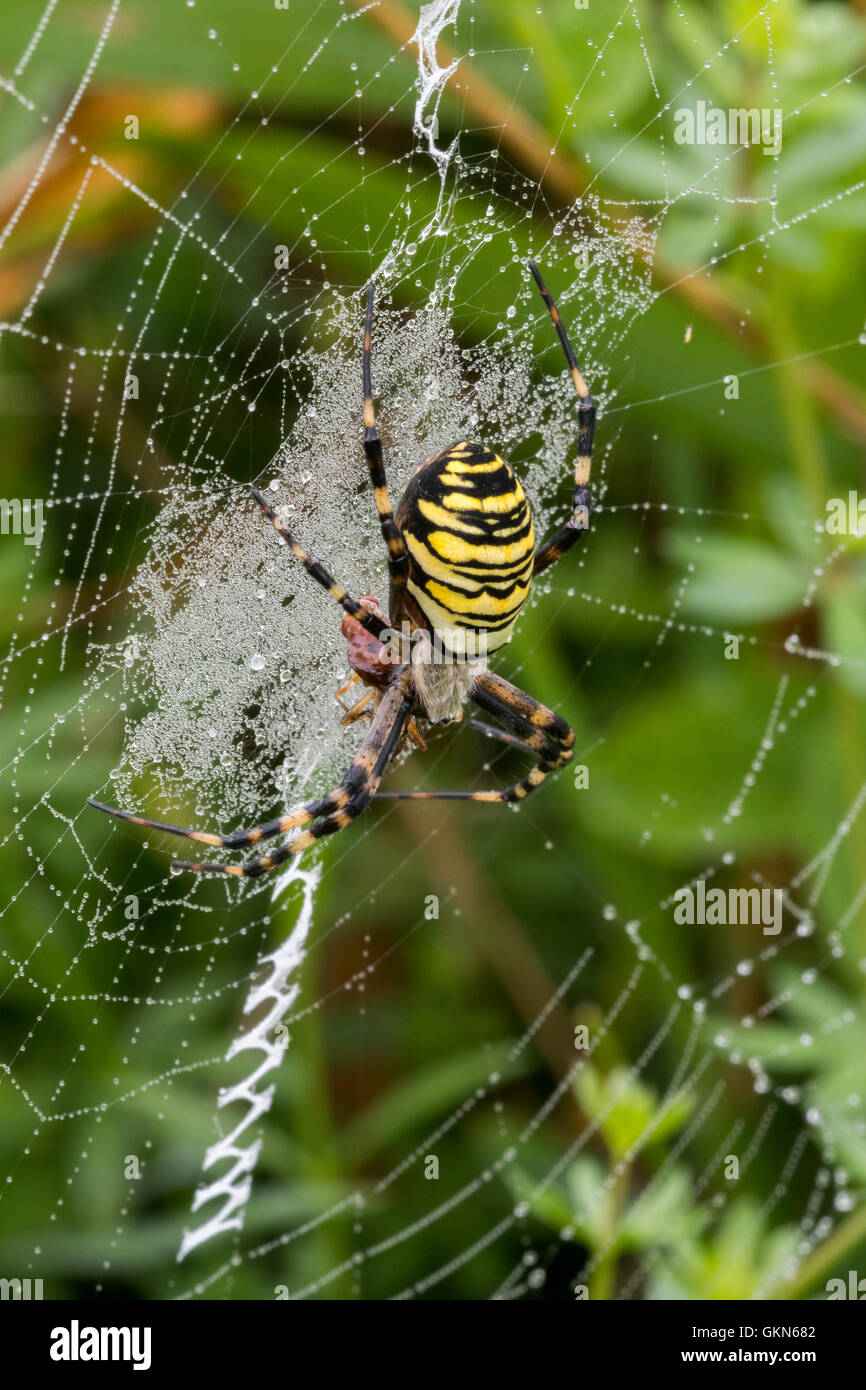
[{"x": 708, "y": 527}]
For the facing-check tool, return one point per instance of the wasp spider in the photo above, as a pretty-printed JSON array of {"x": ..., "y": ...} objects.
[{"x": 461, "y": 556}]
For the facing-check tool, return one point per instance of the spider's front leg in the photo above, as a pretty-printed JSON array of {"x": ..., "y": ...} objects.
[
  {"x": 330, "y": 813},
  {"x": 540, "y": 729},
  {"x": 544, "y": 731},
  {"x": 373, "y": 666},
  {"x": 343, "y": 805}
]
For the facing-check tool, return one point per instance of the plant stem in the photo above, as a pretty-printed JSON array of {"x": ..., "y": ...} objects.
[
  {"x": 517, "y": 132},
  {"x": 603, "y": 1280},
  {"x": 845, "y": 1238}
]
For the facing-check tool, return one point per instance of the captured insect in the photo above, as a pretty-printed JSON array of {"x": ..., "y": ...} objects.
[{"x": 461, "y": 557}]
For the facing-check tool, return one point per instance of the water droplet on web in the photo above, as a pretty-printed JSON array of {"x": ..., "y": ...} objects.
[{"x": 258, "y": 662}]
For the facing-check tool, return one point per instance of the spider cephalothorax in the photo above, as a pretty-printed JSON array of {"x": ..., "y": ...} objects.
[{"x": 461, "y": 556}]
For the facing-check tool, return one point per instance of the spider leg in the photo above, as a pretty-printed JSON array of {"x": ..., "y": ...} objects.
[
  {"x": 343, "y": 805},
  {"x": 490, "y": 731},
  {"x": 318, "y": 572},
  {"x": 542, "y": 732},
  {"x": 397, "y": 555},
  {"x": 236, "y": 839},
  {"x": 577, "y": 523}
]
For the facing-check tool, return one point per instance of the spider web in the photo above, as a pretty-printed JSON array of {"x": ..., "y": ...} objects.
[{"x": 186, "y": 667}]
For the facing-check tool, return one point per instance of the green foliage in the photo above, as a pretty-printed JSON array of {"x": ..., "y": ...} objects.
[{"x": 707, "y": 526}]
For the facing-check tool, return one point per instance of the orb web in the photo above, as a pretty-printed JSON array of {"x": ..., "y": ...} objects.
[{"x": 188, "y": 666}]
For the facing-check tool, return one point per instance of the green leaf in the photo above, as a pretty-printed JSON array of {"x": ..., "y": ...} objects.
[
  {"x": 736, "y": 580},
  {"x": 845, "y": 620}
]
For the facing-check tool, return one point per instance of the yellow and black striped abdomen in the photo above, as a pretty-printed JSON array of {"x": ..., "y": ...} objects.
[{"x": 468, "y": 532}]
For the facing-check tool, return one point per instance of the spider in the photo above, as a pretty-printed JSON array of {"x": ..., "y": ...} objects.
[{"x": 461, "y": 556}]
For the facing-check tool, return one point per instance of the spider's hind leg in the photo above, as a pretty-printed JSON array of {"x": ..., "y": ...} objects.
[
  {"x": 398, "y": 559},
  {"x": 371, "y": 621},
  {"x": 557, "y": 545}
]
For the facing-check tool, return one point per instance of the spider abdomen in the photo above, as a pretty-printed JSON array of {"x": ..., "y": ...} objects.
[{"x": 468, "y": 531}]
